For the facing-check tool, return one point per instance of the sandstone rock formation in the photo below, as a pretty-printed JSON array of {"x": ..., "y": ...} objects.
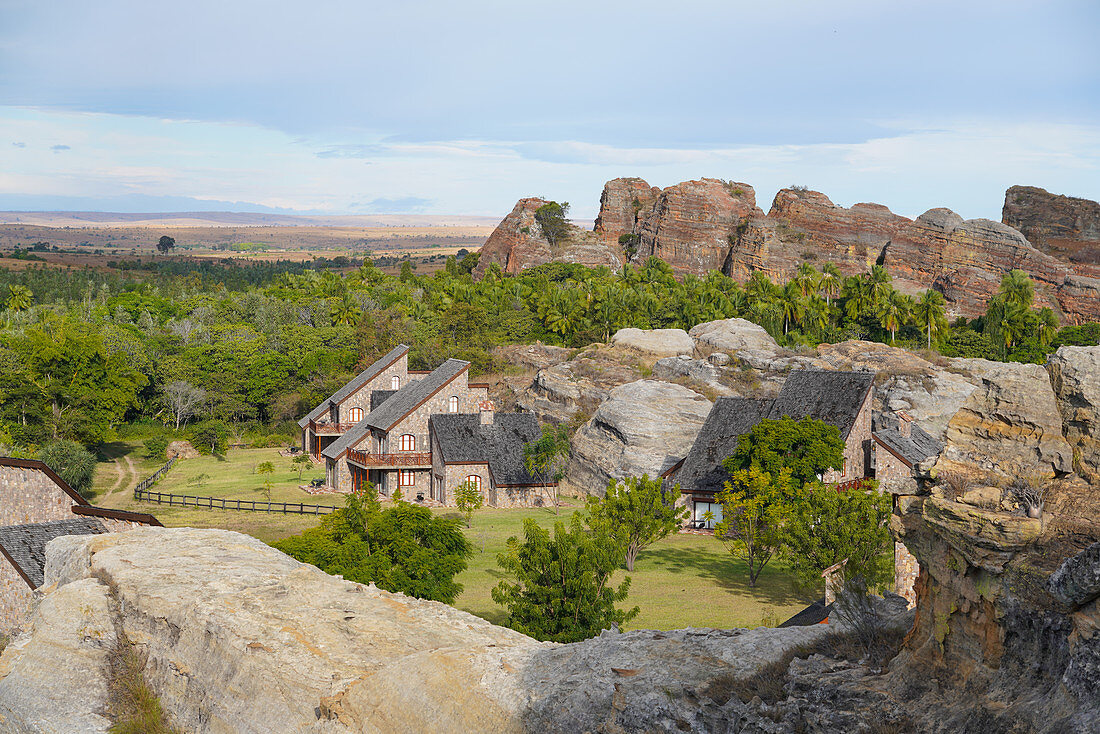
[
  {"x": 1010, "y": 424},
  {"x": 739, "y": 338},
  {"x": 1075, "y": 375},
  {"x": 1063, "y": 226},
  {"x": 620, "y": 203},
  {"x": 516, "y": 244},
  {"x": 561, "y": 391},
  {"x": 644, "y": 428},
  {"x": 655, "y": 342}
]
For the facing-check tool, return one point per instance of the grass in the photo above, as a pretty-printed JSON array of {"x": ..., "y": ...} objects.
[
  {"x": 131, "y": 704},
  {"x": 682, "y": 581}
]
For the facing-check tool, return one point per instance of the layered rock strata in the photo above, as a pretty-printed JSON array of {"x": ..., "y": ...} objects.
[{"x": 1064, "y": 226}]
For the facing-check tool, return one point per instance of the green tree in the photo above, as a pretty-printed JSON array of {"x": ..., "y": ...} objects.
[
  {"x": 405, "y": 548},
  {"x": 300, "y": 463},
  {"x": 929, "y": 313},
  {"x": 754, "y": 506},
  {"x": 468, "y": 499},
  {"x": 552, "y": 222},
  {"x": 546, "y": 456},
  {"x": 345, "y": 311},
  {"x": 807, "y": 447},
  {"x": 966, "y": 342},
  {"x": 893, "y": 312},
  {"x": 72, "y": 462},
  {"x": 266, "y": 469},
  {"x": 165, "y": 244},
  {"x": 639, "y": 510},
  {"x": 155, "y": 448},
  {"x": 829, "y": 282},
  {"x": 19, "y": 298},
  {"x": 210, "y": 437},
  {"x": 560, "y": 587},
  {"x": 1017, "y": 289},
  {"x": 825, "y": 526}
]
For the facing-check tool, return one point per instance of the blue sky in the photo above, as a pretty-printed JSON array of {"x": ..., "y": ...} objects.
[{"x": 461, "y": 108}]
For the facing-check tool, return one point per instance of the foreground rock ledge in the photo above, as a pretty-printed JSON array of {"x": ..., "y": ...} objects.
[{"x": 242, "y": 638}]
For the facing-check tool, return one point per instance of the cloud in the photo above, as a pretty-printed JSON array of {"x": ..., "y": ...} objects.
[
  {"x": 59, "y": 148},
  {"x": 20, "y": 145},
  {"x": 352, "y": 151},
  {"x": 402, "y": 205}
]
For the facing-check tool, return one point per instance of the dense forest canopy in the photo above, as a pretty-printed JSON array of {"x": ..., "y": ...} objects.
[{"x": 85, "y": 351}]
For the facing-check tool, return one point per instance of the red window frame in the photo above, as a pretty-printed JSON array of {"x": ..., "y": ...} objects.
[
  {"x": 406, "y": 478},
  {"x": 475, "y": 480},
  {"x": 407, "y": 442},
  {"x": 355, "y": 414}
]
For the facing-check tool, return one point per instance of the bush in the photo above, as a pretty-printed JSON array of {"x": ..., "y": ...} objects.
[
  {"x": 156, "y": 447},
  {"x": 967, "y": 343},
  {"x": 74, "y": 463}
]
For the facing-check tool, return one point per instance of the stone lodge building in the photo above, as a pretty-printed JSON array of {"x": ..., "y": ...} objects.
[
  {"x": 36, "y": 506},
  {"x": 421, "y": 433}
]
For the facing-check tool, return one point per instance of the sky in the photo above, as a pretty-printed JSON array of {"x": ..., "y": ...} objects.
[{"x": 428, "y": 107}]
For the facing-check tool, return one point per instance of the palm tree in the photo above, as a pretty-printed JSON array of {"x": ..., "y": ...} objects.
[
  {"x": 829, "y": 282},
  {"x": 793, "y": 305},
  {"x": 878, "y": 284},
  {"x": 893, "y": 312},
  {"x": 929, "y": 312},
  {"x": 19, "y": 298},
  {"x": 1047, "y": 326},
  {"x": 1017, "y": 288},
  {"x": 806, "y": 279},
  {"x": 345, "y": 311},
  {"x": 816, "y": 316},
  {"x": 857, "y": 297}
]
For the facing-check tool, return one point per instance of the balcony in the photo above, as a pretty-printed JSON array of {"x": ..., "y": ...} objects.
[
  {"x": 330, "y": 429},
  {"x": 406, "y": 459}
]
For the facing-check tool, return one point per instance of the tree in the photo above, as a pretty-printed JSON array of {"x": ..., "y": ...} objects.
[
  {"x": 560, "y": 587},
  {"x": 807, "y": 447},
  {"x": 210, "y": 435},
  {"x": 468, "y": 499},
  {"x": 156, "y": 448},
  {"x": 929, "y": 312},
  {"x": 183, "y": 400},
  {"x": 552, "y": 222},
  {"x": 829, "y": 282},
  {"x": 72, "y": 462},
  {"x": 265, "y": 468},
  {"x": 165, "y": 244},
  {"x": 826, "y": 526},
  {"x": 19, "y": 298},
  {"x": 639, "y": 511},
  {"x": 301, "y": 462},
  {"x": 753, "y": 509},
  {"x": 1017, "y": 289},
  {"x": 893, "y": 312},
  {"x": 546, "y": 456},
  {"x": 345, "y": 311},
  {"x": 405, "y": 548}
]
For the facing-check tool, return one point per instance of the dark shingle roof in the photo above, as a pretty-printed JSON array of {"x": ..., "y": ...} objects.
[
  {"x": 914, "y": 448},
  {"x": 717, "y": 439},
  {"x": 816, "y": 613},
  {"x": 357, "y": 382},
  {"x": 398, "y": 405},
  {"x": 25, "y": 545},
  {"x": 829, "y": 396},
  {"x": 462, "y": 438},
  {"x": 380, "y": 396}
]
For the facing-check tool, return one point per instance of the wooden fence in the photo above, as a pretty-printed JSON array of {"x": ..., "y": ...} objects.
[
  {"x": 218, "y": 503},
  {"x": 152, "y": 479}
]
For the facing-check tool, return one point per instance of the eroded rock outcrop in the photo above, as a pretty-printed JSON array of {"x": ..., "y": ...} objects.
[
  {"x": 644, "y": 428},
  {"x": 655, "y": 342},
  {"x": 620, "y": 203},
  {"x": 1075, "y": 375},
  {"x": 1064, "y": 226}
]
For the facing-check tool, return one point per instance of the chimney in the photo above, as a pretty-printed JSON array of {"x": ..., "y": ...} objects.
[
  {"x": 904, "y": 422},
  {"x": 834, "y": 581},
  {"x": 485, "y": 412}
]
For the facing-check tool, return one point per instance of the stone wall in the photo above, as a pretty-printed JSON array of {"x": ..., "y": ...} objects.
[
  {"x": 889, "y": 469},
  {"x": 16, "y": 597},
  {"x": 906, "y": 570},
  {"x": 857, "y": 447},
  {"x": 28, "y": 495}
]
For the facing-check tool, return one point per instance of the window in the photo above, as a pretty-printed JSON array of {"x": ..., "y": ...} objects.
[
  {"x": 699, "y": 512},
  {"x": 408, "y": 442},
  {"x": 395, "y": 383},
  {"x": 406, "y": 478},
  {"x": 355, "y": 414},
  {"x": 475, "y": 480},
  {"x": 452, "y": 404}
]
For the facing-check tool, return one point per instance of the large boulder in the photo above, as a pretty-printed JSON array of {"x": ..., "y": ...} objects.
[
  {"x": 738, "y": 337},
  {"x": 562, "y": 391},
  {"x": 656, "y": 342},
  {"x": 1010, "y": 424},
  {"x": 644, "y": 428},
  {"x": 1075, "y": 375}
]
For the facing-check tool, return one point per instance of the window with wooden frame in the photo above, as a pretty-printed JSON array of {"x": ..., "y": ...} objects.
[
  {"x": 355, "y": 415},
  {"x": 406, "y": 478},
  {"x": 475, "y": 480},
  {"x": 407, "y": 442},
  {"x": 452, "y": 404},
  {"x": 395, "y": 383}
]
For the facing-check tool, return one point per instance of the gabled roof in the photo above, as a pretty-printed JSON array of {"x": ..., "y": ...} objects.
[
  {"x": 25, "y": 545},
  {"x": 816, "y": 613},
  {"x": 912, "y": 449},
  {"x": 730, "y": 417},
  {"x": 830, "y": 396},
  {"x": 380, "y": 396},
  {"x": 398, "y": 405},
  {"x": 356, "y": 382},
  {"x": 464, "y": 440}
]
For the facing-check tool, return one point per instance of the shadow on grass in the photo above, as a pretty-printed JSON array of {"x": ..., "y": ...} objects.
[
  {"x": 113, "y": 450},
  {"x": 774, "y": 586}
]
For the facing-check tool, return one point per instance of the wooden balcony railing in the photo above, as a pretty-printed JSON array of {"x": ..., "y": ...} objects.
[
  {"x": 410, "y": 458},
  {"x": 330, "y": 429}
]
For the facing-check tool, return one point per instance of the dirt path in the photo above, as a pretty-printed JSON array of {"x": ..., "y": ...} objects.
[
  {"x": 134, "y": 478},
  {"x": 118, "y": 479}
]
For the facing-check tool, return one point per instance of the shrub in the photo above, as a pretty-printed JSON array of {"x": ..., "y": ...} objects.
[
  {"x": 74, "y": 463},
  {"x": 1029, "y": 490},
  {"x": 131, "y": 704},
  {"x": 156, "y": 447}
]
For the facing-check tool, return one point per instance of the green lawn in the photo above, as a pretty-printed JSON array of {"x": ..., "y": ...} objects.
[{"x": 682, "y": 581}]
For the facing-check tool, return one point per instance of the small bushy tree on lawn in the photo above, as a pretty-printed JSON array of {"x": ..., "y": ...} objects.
[
  {"x": 753, "y": 512},
  {"x": 468, "y": 499},
  {"x": 404, "y": 548},
  {"x": 300, "y": 463},
  {"x": 156, "y": 447},
  {"x": 639, "y": 511},
  {"x": 560, "y": 587},
  {"x": 266, "y": 468},
  {"x": 73, "y": 463},
  {"x": 210, "y": 437}
]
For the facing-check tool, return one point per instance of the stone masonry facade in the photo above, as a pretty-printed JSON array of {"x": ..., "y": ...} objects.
[
  {"x": 29, "y": 495},
  {"x": 857, "y": 447},
  {"x": 360, "y": 399}
]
